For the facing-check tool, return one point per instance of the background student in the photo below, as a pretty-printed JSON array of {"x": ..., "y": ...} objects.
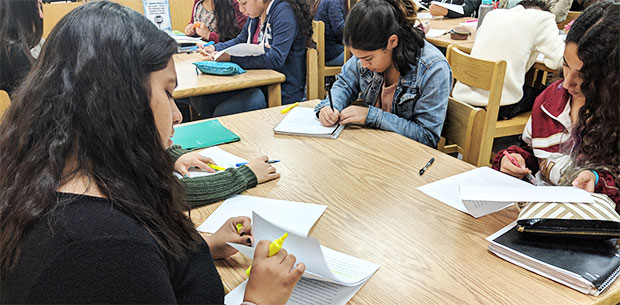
[
  {"x": 90, "y": 212},
  {"x": 517, "y": 36},
  {"x": 218, "y": 20},
  {"x": 208, "y": 189},
  {"x": 573, "y": 136},
  {"x": 470, "y": 8},
  {"x": 333, "y": 14},
  {"x": 284, "y": 27},
  {"x": 21, "y": 28},
  {"x": 403, "y": 80}
]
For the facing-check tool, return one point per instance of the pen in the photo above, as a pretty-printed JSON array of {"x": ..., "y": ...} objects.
[
  {"x": 269, "y": 161},
  {"x": 287, "y": 109},
  {"x": 204, "y": 45},
  {"x": 239, "y": 226},
  {"x": 514, "y": 161},
  {"x": 428, "y": 164},
  {"x": 215, "y": 167},
  {"x": 197, "y": 24},
  {"x": 329, "y": 95},
  {"x": 274, "y": 247}
]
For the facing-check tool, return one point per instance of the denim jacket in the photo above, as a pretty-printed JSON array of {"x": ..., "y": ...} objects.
[{"x": 420, "y": 100}]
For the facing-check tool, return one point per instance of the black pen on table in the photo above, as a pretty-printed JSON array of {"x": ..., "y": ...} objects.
[{"x": 428, "y": 164}]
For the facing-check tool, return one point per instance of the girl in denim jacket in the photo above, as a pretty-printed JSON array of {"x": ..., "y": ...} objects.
[{"x": 404, "y": 81}]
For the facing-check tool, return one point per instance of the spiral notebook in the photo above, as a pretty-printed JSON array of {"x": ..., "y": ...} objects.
[
  {"x": 302, "y": 121},
  {"x": 586, "y": 265}
]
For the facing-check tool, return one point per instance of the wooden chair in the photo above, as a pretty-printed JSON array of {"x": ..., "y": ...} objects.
[
  {"x": 463, "y": 129},
  {"x": 53, "y": 12},
  {"x": 5, "y": 101},
  {"x": 312, "y": 65},
  {"x": 487, "y": 75},
  {"x": 323, "y": 71},
  {"x": 572, "y": 15}
]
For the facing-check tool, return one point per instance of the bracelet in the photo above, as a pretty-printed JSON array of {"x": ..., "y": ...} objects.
[{"x": 596, "y": 176}]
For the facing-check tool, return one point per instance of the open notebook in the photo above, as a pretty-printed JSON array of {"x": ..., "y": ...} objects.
[
  {"x": 331, "y": 277},
  {"x": 302, "y": 121}
]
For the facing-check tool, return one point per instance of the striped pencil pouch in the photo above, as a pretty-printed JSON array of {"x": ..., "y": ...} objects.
[{"x": 588, "y": 220}]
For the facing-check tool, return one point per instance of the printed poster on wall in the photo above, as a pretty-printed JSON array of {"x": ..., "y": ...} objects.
[{"x": 158, "y": 11}]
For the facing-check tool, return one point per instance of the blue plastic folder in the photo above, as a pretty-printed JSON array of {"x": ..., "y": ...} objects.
[{"x": 203, "y": 134}]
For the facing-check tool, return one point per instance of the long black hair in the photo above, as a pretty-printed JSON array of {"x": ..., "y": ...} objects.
[
  {"x": 597, "y": 132},
  {"x": 84, "y": 110},
  {"x": 225, "y": 17},
  {"x": 371, "y": 23},
  {"x": 303, "y": 18},
  {"x": 20, "y": 23}
]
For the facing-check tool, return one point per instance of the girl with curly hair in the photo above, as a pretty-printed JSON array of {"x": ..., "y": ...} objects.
[{"x": 573, "y": 135}]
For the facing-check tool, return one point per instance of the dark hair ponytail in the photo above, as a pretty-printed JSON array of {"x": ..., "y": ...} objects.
[
  {"x": 225, "y": 17},
  {"x": 371, "y": 23},
  {"x": 303, "y": 18},
  {"x": 597, "y": 133}
]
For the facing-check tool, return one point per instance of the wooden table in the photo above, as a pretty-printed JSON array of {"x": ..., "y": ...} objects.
[
  {"x": 429, "y": 252},
  {"x": 192, "y": 84},
  {"x": 447, "y": 24}
]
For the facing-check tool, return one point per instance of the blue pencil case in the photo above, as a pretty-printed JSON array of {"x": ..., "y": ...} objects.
[{"x": 218, "y": 68}]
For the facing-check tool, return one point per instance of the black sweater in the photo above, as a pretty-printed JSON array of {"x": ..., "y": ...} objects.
[{"x": 90, "y": 252}]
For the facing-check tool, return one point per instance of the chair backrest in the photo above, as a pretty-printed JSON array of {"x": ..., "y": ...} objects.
[
  {"x": 312, "y": 63},
  {"x": 5, "y": 101},
  {"x": 483, "y": 74},
  {"x": 463, "y": 127}
]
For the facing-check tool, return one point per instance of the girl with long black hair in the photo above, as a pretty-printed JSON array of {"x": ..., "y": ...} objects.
[
  {"x": 215, "y": 20},
  {"x": 89, "y": 210}
]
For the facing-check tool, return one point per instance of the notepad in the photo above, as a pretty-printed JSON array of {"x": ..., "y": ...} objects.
[
  {"x": 331, "y": 277},
  {"x": 453, "y": 7},
  {"x": 586, "y": 265},
  {"x": 242, "y": 50},
  {"x": 297, "y": 217},
  {"x": 203, "y": 134},
  {"x": 302, "y": 121}
]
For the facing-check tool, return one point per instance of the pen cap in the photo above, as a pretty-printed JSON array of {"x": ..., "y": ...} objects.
[{"x": 276, "y": 245}]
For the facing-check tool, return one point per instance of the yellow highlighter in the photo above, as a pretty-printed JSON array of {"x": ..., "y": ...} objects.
[
  {"x": 274, "y": 247},
  {"x": 287, "y": 109},
  {"x": 217, "y": 168},
  {"x": 239, "y": 227}
]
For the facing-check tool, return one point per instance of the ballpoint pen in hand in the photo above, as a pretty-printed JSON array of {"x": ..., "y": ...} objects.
[{"x": 514, "y": 161}]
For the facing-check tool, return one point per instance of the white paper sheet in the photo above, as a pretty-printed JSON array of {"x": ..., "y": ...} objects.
[
  {"x": 303, "y": 121},
  {"x": 501, "y": 193},
  {"x": 242, "y": 49},
  {"x": 448, "y": 190},
  {"x": 297, "y": 217},
  {"x": 321, "y": 262},
  {"x": 472, "y": 24},
  {"x": 424, "y": 16},
  {"x": 420, "y": 5},
  {"x": 452, "y": 7},
  {"x": 220, "y": 157},
  {"x": 435, "y": 33}
]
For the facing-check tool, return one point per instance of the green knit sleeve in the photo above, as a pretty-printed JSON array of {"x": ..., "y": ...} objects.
[
  {"x": 209, "y": 189},
  {"x": 177, "y": 151}
]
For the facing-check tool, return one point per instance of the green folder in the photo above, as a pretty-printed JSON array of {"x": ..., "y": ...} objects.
[{"x": 203, "y": 134}]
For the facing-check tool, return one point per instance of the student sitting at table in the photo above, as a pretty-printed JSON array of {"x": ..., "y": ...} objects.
[
  {"x": 333, "y": 14},
  {"x": 215, "y": 20},
  {"x": 573, "y": 135},
  {"x": 209, "y": 189},
  {"x": 89, "y": 212},
  {"x": 284, "y": 29},
  {"x": 470, "y": 8},
  {"x": 21, "y": 27},
  {"x": 403, "y": 80},
  {"x": 517, "y": 36}
]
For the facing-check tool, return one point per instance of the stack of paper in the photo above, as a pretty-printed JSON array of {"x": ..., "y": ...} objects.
[
  {"x": 296, "y": 217},
  {"x": 331, "y": 277},
  {"x": 302, "y": 121},
  {"x": 586, "y": 265},
  {"x": 220, "y": 157},
  {"x": 242, "y": 50}
]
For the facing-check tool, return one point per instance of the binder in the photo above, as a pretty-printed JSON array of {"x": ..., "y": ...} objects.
[
  {"x": 586, "y": 265},
  {"x": 203, "y": 134}
]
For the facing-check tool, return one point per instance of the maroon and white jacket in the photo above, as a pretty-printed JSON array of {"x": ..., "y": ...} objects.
[{"x": 549, "y": 142}]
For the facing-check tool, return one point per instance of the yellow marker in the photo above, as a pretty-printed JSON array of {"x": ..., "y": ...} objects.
[
  {"x": 274, "y": 247},
  {"x": 287, "y": 109},
  {"x": 215, "y": 167},
  {"x": 239, "y": 227}
]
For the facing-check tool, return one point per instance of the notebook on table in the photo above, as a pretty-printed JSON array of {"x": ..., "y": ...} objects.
[
  {"x": 203, "y": 134},
  {"x": 302, "y": 121},
  {"x": 586, "y": 265}
]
